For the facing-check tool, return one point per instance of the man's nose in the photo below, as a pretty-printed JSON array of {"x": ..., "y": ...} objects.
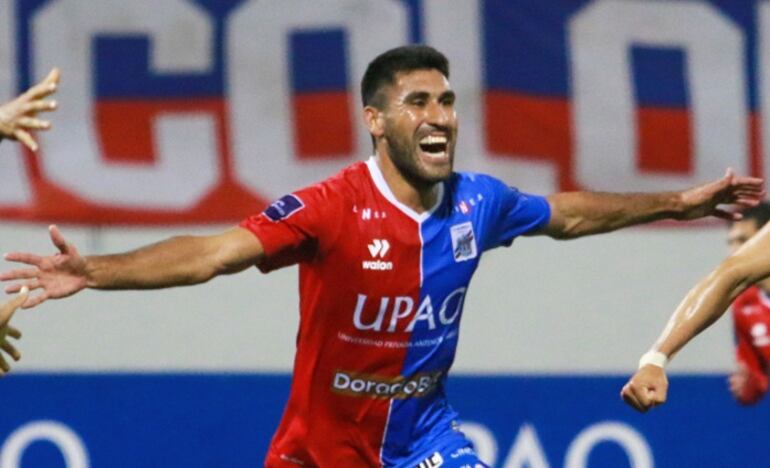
[{"x": 438, "y": 114}]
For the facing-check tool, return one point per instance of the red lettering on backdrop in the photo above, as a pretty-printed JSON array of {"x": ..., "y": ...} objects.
[{"x": 132, "y": 142}]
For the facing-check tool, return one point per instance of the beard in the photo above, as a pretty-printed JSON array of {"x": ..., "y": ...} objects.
[{"x": 404, "y": 152}]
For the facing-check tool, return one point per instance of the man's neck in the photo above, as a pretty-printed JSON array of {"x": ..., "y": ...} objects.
[{"x": 418, "y": 198}]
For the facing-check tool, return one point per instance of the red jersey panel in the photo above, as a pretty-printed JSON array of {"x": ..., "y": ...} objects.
[{"x": 751, "y": 317}]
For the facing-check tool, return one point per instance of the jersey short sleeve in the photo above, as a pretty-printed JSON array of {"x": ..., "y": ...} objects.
[
  {"x": 297, "y": 227},
  {"x": 514, "y": 213}
]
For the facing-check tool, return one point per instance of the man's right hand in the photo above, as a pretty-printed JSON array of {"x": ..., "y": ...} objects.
[
  {"x": 59, "y": 275},
  {"x": 646, "y": 389}
]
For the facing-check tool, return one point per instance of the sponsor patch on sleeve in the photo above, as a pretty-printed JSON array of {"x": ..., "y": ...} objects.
[{"x": 283, "y": 208}]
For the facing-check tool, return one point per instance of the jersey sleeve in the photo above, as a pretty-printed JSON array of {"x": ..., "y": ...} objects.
[
  {"x": 514, "y": 213},
  {"x": 297, "y": 227}
]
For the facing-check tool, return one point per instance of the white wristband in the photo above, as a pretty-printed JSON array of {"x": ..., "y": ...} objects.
[{"x": 656, "y": 358}]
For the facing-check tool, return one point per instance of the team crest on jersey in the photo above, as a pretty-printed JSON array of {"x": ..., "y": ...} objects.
[
  {"x": 463, "y": 242},
  {"x": 283, "y": 208}
]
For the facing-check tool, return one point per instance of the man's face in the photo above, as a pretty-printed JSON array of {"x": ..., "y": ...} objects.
[
  {"x": 740, "y": 232},
  {"x": 420, "y": 125}
]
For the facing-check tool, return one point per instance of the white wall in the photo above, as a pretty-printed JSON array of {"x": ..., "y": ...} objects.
[{"x": 589, "y": 305}]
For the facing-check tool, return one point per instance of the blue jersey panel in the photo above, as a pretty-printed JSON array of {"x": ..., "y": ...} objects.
[
  {"x": 478, "y": 212},
  {"x": 416, "y": 424}
]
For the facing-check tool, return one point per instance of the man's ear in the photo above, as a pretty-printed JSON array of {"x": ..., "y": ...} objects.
[{"x": 374, "y": 121}]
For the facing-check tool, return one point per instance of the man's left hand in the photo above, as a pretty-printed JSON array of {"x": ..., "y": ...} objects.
[{"x": 722, "y": 198}]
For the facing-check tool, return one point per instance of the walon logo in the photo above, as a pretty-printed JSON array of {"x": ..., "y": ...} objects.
[{"x": 378, "y": 248}]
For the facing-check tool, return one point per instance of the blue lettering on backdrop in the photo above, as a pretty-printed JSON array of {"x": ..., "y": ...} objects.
[{"x": 128, "y": 420}]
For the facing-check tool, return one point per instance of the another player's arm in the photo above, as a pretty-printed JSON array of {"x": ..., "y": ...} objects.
[
  {"x": 702, "y": 306},
  {"x": 179, "y": 261},
  {"x": 576, "y": 214}
]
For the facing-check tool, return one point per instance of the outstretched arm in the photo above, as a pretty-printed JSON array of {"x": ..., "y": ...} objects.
[
  {"x": 576, "y": 214},
  {"x": 178, "y": 261},
  {"x": 702, "y": 306},
  {"x": 19, "y": 117}
]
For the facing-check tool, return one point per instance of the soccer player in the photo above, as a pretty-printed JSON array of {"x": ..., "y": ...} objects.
[
  {"x": 19, "y": 117},
  {"x": 702, "y": 306},
  {"x": 386, "y": 249},
  {"x": 751, "y": 318}
]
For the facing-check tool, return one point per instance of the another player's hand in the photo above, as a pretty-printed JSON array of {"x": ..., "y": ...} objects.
[
  {"x": 6, "y": 330},
  {"x": 19, "y": 117},
  {"x": 9, "y": 308},
  {"x": 59, "y": 275},
  {"x": 738, "y": 380},
  {"x": 6, "y": 346},
  {"x": 647, "y": 388},
  {"x": 712, "y": 199}
]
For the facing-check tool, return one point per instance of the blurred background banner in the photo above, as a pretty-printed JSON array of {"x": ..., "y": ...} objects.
[
  {"x": 184, "y": 116},
  {"x": 202, "y": 110},
  {"x": 129, "y": 420}
]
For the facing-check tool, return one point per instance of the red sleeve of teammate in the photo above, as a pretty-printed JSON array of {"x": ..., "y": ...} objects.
[
  {"x": 297, "y": 227},
  {"x": 757, "y": 383}
]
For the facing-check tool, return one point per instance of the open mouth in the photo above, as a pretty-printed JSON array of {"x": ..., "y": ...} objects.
[{"x": 434, "y": 146}]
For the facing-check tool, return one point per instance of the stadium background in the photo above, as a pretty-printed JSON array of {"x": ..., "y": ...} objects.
[{"x": 185, "y": 115}]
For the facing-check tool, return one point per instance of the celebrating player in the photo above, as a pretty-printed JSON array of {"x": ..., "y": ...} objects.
[
  {"x": 704, "y": 304},
  {"x": 19, "y": 117},
  {"x": 386, "y": 250}
]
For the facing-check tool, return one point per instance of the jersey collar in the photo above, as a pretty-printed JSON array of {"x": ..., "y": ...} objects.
[{"x": 384, "y": 189}]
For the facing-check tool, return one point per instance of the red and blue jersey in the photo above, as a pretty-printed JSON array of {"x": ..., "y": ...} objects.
[{"x": 382, "y": 289}]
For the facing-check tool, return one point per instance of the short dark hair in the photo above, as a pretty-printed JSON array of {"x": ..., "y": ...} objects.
[
  {"x": 760, "y": 214},
  {"x": 383, "y": 69}
]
